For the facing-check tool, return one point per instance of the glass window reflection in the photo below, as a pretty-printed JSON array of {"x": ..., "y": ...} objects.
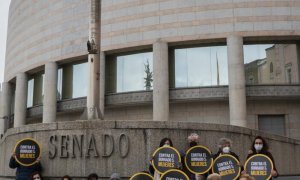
[
  {"x": 72, "y": 81},
  {"x": 132, "y": 72},
  {"x": 35, "y": 90},
  {"x": 271, "y": 63},
  {"x": 200, "y": 66}
]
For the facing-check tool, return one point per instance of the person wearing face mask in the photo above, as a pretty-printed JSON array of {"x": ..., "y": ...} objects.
[
  {"x": 165, "y": 142},
  {"x": 260, "y": 146},
  {"x": 193, "y": 140},
  {"x": 225, "y": 145},
  {"x": 225, "y": 148}
]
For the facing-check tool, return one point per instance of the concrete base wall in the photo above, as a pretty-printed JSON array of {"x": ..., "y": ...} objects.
[{"x": 126, "y": 146}]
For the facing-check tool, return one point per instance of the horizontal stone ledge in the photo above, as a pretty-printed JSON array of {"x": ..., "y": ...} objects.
[
  {"x": 143, "y": 125},
  {"x": 216, "y": 93}
]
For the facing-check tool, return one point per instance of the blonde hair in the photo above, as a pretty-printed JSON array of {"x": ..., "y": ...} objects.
[
  {"x": 224, "y": 141},
  {"x": 247, "y": 176},
  {"x": 214, "y": 176}
]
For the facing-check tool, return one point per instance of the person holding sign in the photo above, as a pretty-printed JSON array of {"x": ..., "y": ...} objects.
[
  {"x": 225, "y": 148},
  {"x": 226, "y": 162},
  {"x": 193, "y": 139},
  {"x": 260, "y": 146},
  {"x": 24, "y": 172},
  {"x": 165, "y": 142}
]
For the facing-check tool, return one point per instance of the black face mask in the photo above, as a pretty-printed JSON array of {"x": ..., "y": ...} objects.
[{"x": 193, "y": 143}]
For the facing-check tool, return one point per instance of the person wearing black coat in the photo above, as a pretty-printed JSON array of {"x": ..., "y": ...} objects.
[
  {"x": 260, "y": 146},
  {"x": 24, "y": 172}
]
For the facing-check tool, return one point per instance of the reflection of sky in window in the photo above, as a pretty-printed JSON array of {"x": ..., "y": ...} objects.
[
  {"x": 198, "y": 66},
  {"x": 59, "y": 84},
  {"x": 255, "y": 52},
  {"x": 131, "y": 71},
  {"x": 80, "y": 82},
  {"x": 30, "y": 93}
]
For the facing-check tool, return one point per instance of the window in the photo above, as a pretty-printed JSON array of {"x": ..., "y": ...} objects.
[
  {"x": 199, "y": 66},
  {"x": 288, "y": 70},
  {"x": 268, "y": 63},
  {"x": 271, "y": 67},
  {"x": 72, "y": 81},
  {"x": 133, "y": 72},
  {"x": 274, "y": 124},
  {"x": 35, "y": 91}
]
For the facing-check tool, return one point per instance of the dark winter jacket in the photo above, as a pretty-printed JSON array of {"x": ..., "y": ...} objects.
[{"x": 23, "y": 172}]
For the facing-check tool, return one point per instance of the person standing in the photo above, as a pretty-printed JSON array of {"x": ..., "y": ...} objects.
[
  {"x": 193, "y": 140},
  {"x": 24, "y": 172},
  {"x": 165, "y": 142},
  {"x": 225, "y": 145},
  {"x": 260, "y": 146},
  {"x": 36, "y": 176}
]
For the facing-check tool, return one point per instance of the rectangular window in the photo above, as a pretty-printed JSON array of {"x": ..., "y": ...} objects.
[
  {"x": 199, "y": 66},
  {"x": 267, "y": 63},
  {"x": 133, "y": 72},
  {"x": 72, "y": 81},
  {"x": 274, "y": 124},
  {"x": 35, "y": 91}
]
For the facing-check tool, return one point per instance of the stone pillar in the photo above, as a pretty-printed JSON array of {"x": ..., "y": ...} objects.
[
  {"x": 93, "y": 61},
  {"x": 93, "y": 87},
  {"x": 21, "y": 100},
  {"x": 160, "y": 81},
  {"x": 5, "y": 102},
  {"x": 236, "y": 78},
  {"x": 50, "y": 93},
  {"x": 102, "y": 85}
]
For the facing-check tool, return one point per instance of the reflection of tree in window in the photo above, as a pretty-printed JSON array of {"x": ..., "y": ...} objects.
[
  {"x": 130, "y": 72},
  {"x": 289, "y": 75},
  {"x": 149, "y": 75}
]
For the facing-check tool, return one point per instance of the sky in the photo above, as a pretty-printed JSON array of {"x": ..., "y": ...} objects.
[{"x": 4, "y": 7}]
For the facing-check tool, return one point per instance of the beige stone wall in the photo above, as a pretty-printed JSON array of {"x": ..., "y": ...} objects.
[
  {"x": 40, "y": 31},
  {"x": 272, "y": 107},
  {"x": 135, "y": 22},
  {"x": 143, "y": 138},
  {"x": 43, "y": 31}
]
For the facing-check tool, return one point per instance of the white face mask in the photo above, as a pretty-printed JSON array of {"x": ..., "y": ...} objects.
[
  {"x": 226, "y": 150},
  {"x": 166, "y": 145},
  {"x": 258, "y": 147}
]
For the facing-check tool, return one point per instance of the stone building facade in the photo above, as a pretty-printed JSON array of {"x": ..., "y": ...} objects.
[{"x": 181, "y": 61}]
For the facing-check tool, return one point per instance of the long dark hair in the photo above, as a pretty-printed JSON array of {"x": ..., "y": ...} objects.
[
  {"x": 66, "y": 176},
  {"x": 162, "y": 142},
  {"x": 35, "y": 173},
  {"x": 265, "y": 148}
]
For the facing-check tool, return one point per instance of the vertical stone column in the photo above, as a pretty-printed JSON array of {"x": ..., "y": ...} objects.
[
  {"x": 102, "y": 85},
  {"x": 93, "y": 61},
  {"x": 160, "y": 81},
  {"x": 21, "y": 100},
  {"x": 236, "y": 78},
  {"x": 5, "y": 101},
  {"x": 50, "y": 93}
]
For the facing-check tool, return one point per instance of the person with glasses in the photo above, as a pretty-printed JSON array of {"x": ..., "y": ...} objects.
[
  {"x": 260, "y": 146},
  {"x": 36, "y": 176}
]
